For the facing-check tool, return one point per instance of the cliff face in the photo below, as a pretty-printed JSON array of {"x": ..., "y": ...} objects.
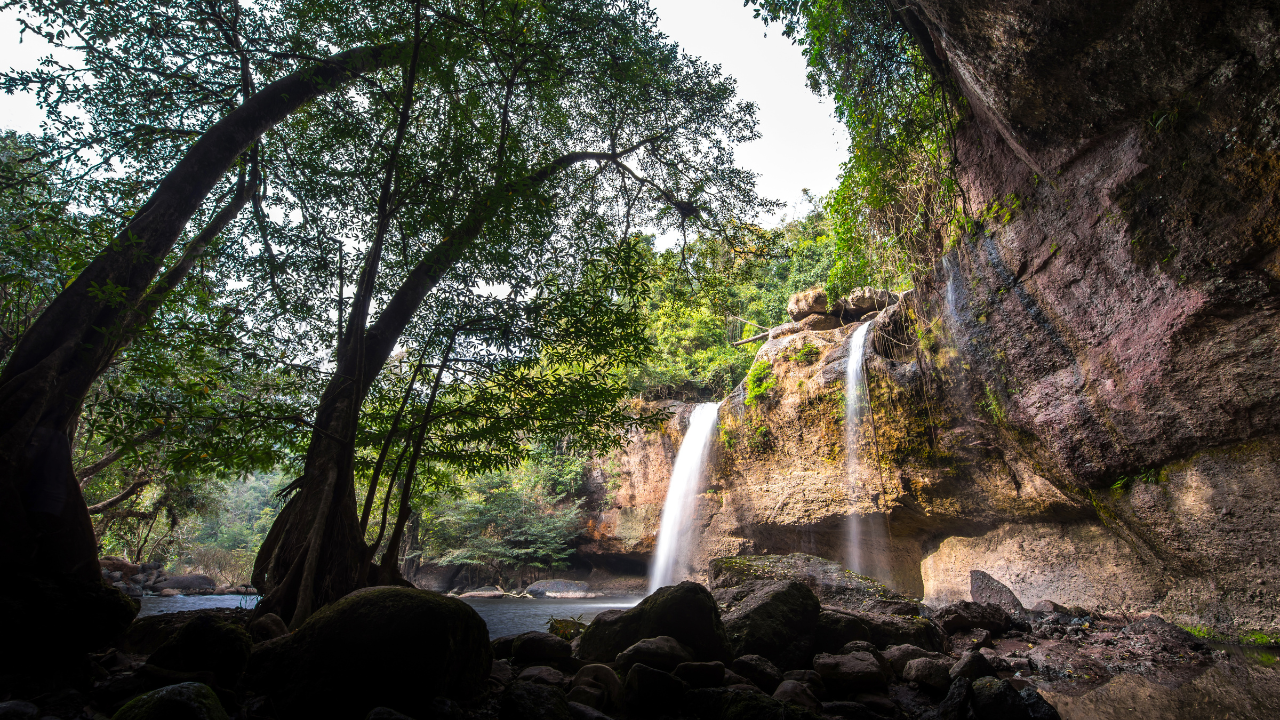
[{"x": 1084, "y": 400}]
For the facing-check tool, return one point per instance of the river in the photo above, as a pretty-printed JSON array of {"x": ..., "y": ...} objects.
[{"x": 504, "y": 616}]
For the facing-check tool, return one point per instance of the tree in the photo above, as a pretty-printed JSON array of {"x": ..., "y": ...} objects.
[{"x": 518, "y": 112}]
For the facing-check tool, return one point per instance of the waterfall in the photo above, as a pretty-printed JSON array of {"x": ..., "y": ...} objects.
[
  {"x": 867, "y": 538},
  {"x": 682, "y": 494}
]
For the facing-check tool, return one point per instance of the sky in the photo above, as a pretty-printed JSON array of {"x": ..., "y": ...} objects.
[{"x": 802, "y": 144}]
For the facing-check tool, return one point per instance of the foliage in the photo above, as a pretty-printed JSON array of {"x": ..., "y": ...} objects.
[
  {"x": 760, "y": 381},
  {"x": 507, "y": 520},
  {"x": 806, "y": 355},
  {"x": 897, "y": 197},
  {"x": 566, "y": 628}
]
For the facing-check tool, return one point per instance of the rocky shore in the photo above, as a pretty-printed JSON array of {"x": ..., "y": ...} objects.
[
  {"x": 791, "y": 637},
  {"x": 139, "y": 580}
]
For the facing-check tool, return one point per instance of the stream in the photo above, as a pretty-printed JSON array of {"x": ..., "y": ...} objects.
[{"x": 504, "y": 616}]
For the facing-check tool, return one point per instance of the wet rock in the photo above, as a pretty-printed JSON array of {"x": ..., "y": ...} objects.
[
  {"x": 267, "y": 627},
  {"x": 997, "y": 700},
  {"x": 539, "y": 646},
  {"x": 184, "y": 701},
  {"x": 899, "y": 655},
  {"x": 663, "y": 653},
  {"x": 836, "y": 627},
  {"x": 1036, "y": 706},
  {"x": 973, "y": 639},
  {"x": 807, "y": 302},
  {"x": 602, "y": 677},
  {"x": 391, "y": 646},
  {"x": 1166, "y": 632},
  {"x": 985, "y": 589},
  {"x": 854, "y": 672},
  {"x": 972, "y": 665},
  {"x": 542, "y": 674},
  {"x": 649, "y": 689},
  {"x": 582, "y": 711},
  {"x": 930, "y": 672},
  {"x": 209, "y": 644},
  {"x": 686, "y": 612},
  {"x": 18, "y": 710},
  {"x": 848, "y": 710},
  {"x": 759, "y": 671},
  {"x": 968, "y": 615},
  {"x": 488, "y": 591},
  {"x": 530, "y": 701},
  {"x": 385, "y": 713},
  {"x": 955, "y": 706},
  {"x": 701, "y": 674},
  {"x": 187, "y": 583},
  {"x": 559, "y": 589},
  {"x": 776, "y": 620},
  {"x": 797, "y": 693}
]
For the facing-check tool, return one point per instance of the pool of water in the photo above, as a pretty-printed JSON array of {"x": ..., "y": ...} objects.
[
  {"x": 510, "y": 616},
  {"x": 178, "y": 603},
  {"x": 504, "y": 616}
]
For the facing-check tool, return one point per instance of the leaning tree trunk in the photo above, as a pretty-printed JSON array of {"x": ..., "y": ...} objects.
[
  {"x": 343, "y": 555},
  {"x": 45, "y": 531}
]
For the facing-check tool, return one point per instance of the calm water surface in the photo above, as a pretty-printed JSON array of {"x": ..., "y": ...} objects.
[
  {"x": 510, "y": 616},
  {"x": 505, "y": 616},
  {"x": 159, "y": 605}
]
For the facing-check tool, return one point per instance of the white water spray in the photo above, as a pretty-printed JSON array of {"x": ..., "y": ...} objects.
[
  {"x": 682, "y": 494},
  {"x": 867, "y": 538}
]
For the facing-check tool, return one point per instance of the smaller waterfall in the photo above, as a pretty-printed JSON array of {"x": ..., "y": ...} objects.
[
  {"x": 867, "y": 539},
  {"x": 682, "y": 494}
]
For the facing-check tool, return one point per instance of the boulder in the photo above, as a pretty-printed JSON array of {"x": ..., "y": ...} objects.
[
  {"x": 1036, "y": 706},
  {"x": 663, "y": 653},
  {"x": 955, "y": 706},
  {"x": 733, "y": 679},
  {"x": 759, "y": 671},
  {"x": 985, "y": 589},
  {"x": 267, "y": 627},
  {"x": 686, "y": 612},
  {"x": 776, "y": 620},
  {"x": 930, "y": 672},
  {"x": 187, "y": 583},
  {"x": 866, "y": 299},
  {"x": 848, "y": 710},
  {"x": 531, "y": 701},
  {"x": 542, "y": 674},
  {"x": 836, "y": 627},
  {"x": 996, "y": 699},
  {"x": 589, "y": 695},
  {"x": 392, "y": 646},
  {"x": 701, "y": 674},
  {"x": 488, "y": 591},
  {"x": 899, "y": 655},
  {"x": 807, "y": 302},
  {"x": 797, "y": 693},
  {"x": 819, "y": 323},
  {"x": 170, "y": 592},
  {"x": 184, "y": 701},
  {"x": 559, "y": 589},
  {"x": 145, "y": 635},
  {"x": 603, "y": 677},
  {"x": 972, "y": 665},
  {"x": 732, "y": 704},
  {"x": 501, "y": 672},
  {"x": 973, "y": 639},
  {"x": 206, "y": 644},
  {"x": 537, "y": 646},
  {"x": 808, "y": 677},
  {"x": 502, "y": 645},
  {"x": 854, "y": 672},
  {"x": 649, "y": 689},
  {"x": 968, "y": 615},
  {"x": 866, "y": 647},
  {"x": 18, "y": 710},
  {"x": 112, "y": 564}
]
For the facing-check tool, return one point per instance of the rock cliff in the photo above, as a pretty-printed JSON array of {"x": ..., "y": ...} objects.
[{"x": 1081, "y": 400}]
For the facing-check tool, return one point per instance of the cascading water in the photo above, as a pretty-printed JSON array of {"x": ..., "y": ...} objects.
[
  {"x": 682, "y": 494},
  {"x": 867, "y": 539}
]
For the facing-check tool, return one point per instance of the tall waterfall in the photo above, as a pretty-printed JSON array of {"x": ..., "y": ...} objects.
[
  {"x": 867, "y": 538},
  {"x": 682, "y": 494}
]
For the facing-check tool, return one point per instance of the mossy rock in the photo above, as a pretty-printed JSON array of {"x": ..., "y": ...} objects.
[
  {"x": 184, "y": 701},
  {"x": 686, "y": 612},
  {"x": 206, "y": 643},
  {"x": 388, "y": 646},
  {"x": 777, "y": 621}
]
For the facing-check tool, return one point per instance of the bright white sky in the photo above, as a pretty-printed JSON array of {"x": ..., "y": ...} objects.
[{"x": 802, "y": 144}]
